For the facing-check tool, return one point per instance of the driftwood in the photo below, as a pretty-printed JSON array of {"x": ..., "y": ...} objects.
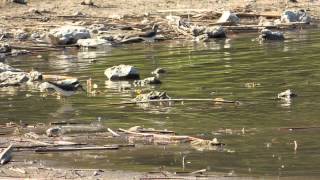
[
  {"x": 42, "y": 150},
  {"x": 5, "y": 155}
]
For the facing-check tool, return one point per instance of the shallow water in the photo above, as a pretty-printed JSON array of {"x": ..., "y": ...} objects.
[{"x": 195, "y": 70}]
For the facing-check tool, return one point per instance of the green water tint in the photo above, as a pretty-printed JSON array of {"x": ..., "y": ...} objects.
[{"x": 195, "y": 70}]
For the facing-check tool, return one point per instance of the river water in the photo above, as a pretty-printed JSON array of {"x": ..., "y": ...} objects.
[{"x": 255, "y": 144}]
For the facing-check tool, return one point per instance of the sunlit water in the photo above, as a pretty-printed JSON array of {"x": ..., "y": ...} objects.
[{"x": 195, "y": 70}]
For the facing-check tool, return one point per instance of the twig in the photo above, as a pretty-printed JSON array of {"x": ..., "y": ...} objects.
[
  {"x": 114, "y": 147},
  {"x": 113, "y": 133}
]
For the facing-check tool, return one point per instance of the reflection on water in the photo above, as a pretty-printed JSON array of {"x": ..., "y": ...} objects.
[{"x": 233, "y": 69}]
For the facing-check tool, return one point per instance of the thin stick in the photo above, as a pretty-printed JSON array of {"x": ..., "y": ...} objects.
[
  {"x": 168, "y": 100},
  {"x": 114, "y": 147},
  {"x": 113, "y": 133}
]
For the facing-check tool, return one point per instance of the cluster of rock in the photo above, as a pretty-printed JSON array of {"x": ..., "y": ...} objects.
[
  {"x": 127, "y": 72},
  {"x": 10, "y": 76}
]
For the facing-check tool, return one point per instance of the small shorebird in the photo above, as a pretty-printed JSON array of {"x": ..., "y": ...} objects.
[{"x": 65, "y": 88}]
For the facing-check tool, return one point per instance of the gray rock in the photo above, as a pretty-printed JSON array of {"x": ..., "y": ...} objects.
[
  {"x": 2, "y": 56},
  {"x": 229, "y": 18},
  {"x": 216, "y": 32},
  {"x": 146, "y": 81},
  {"x": 295, "y": 16},
  {"x": 122, "y": 72},
  {"x": 153, "y": 95},
  {"x": 267, "y": 34},
  {"x": 198, "y": 30},
  {"x": 54, "y": 132},
  {"x": 21, "y": 35},
  {"x": 68, "y": 35},
  {"x": 5, "y": 48}
]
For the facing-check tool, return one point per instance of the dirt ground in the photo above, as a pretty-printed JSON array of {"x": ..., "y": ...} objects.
[{"x": 40, "y": 12}]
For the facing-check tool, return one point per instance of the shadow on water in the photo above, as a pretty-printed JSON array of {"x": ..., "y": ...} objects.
[{"x": 239, "y": 68}]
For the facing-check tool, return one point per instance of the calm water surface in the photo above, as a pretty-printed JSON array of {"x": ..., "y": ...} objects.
[{"x": 195, "y": 70}]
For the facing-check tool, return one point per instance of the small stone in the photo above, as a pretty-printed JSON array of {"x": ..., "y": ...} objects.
[
  {"x": 54, "y": 132},
  {"x": 5, "y": 48},
  {"x": 21, "y": 35}
]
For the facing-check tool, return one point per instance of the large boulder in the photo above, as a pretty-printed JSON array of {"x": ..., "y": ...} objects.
[
  {"x": 216, "y": 32},
  {"x": 228, "y": 17},
  {"x": 267, "y": 34},
  {"x": 122, "y": 72},
  {"x": 295, "y": 16},
  {"x": 68, "y": 35}
]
